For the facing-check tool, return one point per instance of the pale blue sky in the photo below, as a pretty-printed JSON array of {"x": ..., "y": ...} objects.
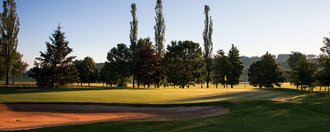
[{"x": 93, "y": 27}]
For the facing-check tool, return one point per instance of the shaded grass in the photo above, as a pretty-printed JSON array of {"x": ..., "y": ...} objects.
[
  {"x": 251, "y": 109},
  {"x": 136, "y": 96},
  {"x": 245, "y": 116}
]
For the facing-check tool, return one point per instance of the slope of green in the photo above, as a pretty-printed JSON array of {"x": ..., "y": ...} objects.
[{"x": 251, "y": 109}]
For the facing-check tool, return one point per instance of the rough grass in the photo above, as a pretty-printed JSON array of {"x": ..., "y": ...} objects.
[{"x": 251, "y": 109}]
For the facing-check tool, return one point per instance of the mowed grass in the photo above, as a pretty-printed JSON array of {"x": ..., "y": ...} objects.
[
  {"x": 137, "y": 96},
  {"x": 251, "y": 109}
]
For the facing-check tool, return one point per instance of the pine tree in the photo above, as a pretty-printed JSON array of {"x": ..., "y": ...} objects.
[
  {"x": 54, "y": 66},
  {"x": 220, "y": 68},
  {"x": 208, "y": 45},
  {"x": 159, "y": 28},
  {"x": 9, "y": 29},
  {"x": 235, "y": 66},
  {"x": 133, "y": 38}
]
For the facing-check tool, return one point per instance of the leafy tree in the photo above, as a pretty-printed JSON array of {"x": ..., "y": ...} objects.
[
  {"x": 92, "y": 72},
  {"x": 294, "y": 58},
  {"x": 88, "y": 72},
  {"x": 235, "y": 66},
  {"x": 220, "y": 68},
  {"x": 265, "y": 73},
  {"x": 133, "y": 38},
  {"x": 159, "y": 28},
  {"x": 304, "y": 73},
  {"x": 148, "y": 63},
  {"x": 54, "y": 66},
  {"x": 184, "y": 63},
  {"x": 79, "y": 65},
  {"x": 119, "y": 61},
  {"x": 9, "y": 28},
  {"x": 324, "y": 64},
  {"x": 19, "y": 66},
  {"x": 109, "y": 74},
  {"x": 208, "y": 45}
]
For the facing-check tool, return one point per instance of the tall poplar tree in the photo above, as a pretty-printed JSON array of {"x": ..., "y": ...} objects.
[
  {"x": 159, "y": 28},
  {"x": 133, "y": 38},
  {"x": 9, "y": 28},
  {"x": 208, "y": 45}
]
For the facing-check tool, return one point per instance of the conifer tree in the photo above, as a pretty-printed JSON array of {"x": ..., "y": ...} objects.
[
  {"x": 235, "y": 66},
  {"x": 54, "y": 66}
]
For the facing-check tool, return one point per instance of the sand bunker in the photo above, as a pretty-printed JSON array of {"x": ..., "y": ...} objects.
[{"x": 30, "y": 116}]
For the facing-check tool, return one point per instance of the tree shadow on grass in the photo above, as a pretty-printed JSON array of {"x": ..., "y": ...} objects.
[
  {"x": 242, "y": 96},
  {"x": 46, "y": 90}
]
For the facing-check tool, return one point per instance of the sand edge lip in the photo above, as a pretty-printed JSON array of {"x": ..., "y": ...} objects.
[{"x": 28, "y": 116}]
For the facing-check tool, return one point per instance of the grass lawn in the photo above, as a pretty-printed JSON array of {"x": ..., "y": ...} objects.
[{"x": 251, "y": 109}]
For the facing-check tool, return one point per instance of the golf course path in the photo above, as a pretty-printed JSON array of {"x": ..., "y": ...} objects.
[{"x": 31, "y": 116}]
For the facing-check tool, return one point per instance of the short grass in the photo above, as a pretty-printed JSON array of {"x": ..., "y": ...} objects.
[{"x": 251, "y": 109}]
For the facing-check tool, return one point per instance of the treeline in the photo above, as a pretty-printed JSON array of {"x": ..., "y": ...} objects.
[
  {"x": 181, "y": 63},
  {"x": 11, "y": 63}
]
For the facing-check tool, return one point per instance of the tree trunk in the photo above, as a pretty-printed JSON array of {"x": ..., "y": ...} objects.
[
  {"x": 216, "y": 85},
  {"x": 7, "y": 73},
  {"x": 133, "y": 82},
  {"x": 231, "y": 86},
  {"x": 89, "y": 84},
  {"x": 13, "y": 80}
]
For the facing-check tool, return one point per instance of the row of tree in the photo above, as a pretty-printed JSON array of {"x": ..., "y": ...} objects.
[
  {"x": 11, "y": 63},
  {"x": 182, "y": 64}
]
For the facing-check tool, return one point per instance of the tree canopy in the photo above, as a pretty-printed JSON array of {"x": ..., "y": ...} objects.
[
  {"x": 184, "y": 63},
  {"x": 265, "y": 73},
  {"x": 9, "y": 29},
  {"x": 54, "y": 66},
  {"x": 208, "y": 44},
  {"x": 118, "y": 65}
]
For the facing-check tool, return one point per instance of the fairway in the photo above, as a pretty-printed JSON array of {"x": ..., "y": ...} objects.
[
  {"x": 140, "y": 96},
  {"x": 251, "y": 109}
]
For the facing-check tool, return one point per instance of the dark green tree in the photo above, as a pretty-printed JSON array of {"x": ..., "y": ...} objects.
[
  {"x": 294, "y": 58},
  {"x": 109, "y": 74},
  {"x": 220, "y": 68},
  {"x": 54, "y": 66},
  {"x": 133, "y": 38},
  {"x": 265, "y": 73},
  {"x": 304, "y": 73},
  {"x": 88, "y": 72},
  {"x": 324, "y": 65},
  {"x": 79, "y": 65},
  {"x": 119, "y": 60},
  {"x": 159, "y": 28},
  {"x": 235, "y": 66},
  {"x": 19, "y": 66},
  {"x": 148, "y": 63},
  {"x": 184, "y": 63},
  {"x": 9, "y": 29},
  {"x": 208, "y": 45}
]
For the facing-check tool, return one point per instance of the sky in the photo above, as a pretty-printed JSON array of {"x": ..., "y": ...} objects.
[{"x": 93, "y": 27}]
